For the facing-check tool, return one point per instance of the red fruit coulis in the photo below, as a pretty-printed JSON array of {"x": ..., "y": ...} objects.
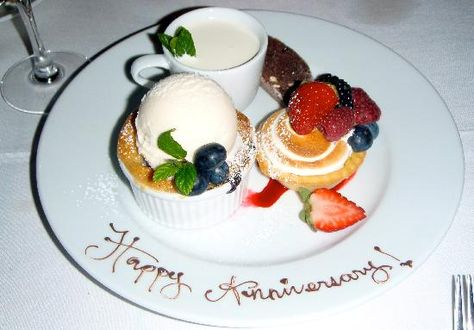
[
  {"x": 268, "y": 196},
  {"x": 272, "y": 192}
]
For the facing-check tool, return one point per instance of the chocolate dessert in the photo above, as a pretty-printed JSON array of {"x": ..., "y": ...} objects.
[{"x": 283, "y": 71}]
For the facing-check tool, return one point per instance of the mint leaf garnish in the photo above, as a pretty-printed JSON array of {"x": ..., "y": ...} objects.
[
  {"x": 185, "y": 177},
  {"x": 181, "y": 43},
  {"x": 165, "y": 40},
  {"x": 184, "y": 172},
  {"x": 170, "y": 146},
  {"x": 165, "y": 171}
]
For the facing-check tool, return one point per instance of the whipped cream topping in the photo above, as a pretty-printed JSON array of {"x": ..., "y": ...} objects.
[{"x": 283, "y": 160}]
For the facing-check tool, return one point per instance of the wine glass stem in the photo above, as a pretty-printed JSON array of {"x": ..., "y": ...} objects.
[{"x": 44, "y": 69}]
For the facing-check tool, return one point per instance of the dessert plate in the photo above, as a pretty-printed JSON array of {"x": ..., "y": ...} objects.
[{"x": 262, "y": 266}]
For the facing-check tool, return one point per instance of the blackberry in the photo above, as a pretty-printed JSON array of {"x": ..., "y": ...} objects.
[{"x": 343, "y": 89}]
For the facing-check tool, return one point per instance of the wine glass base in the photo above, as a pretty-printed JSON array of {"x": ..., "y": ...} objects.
[{"x": 24, "y": 93}]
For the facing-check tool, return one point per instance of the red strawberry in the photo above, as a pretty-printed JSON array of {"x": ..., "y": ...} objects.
[
  {"x": 330, "y": 211},
  {"x": 366, "y": 110},
  {"x": 309, "y": 104},
  {"x": 337, "y": 123}
]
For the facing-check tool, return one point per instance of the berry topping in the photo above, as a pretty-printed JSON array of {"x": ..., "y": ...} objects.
[
  {"x": 343, "y": 88},
  {"x": 191, "y": 178},
  {"x": 337, "y": 123},
  {"x": 211, "y": 167},
  {"x": 200, "y": 185},
  {"x": 361, "y": 139},
  {"x": 327, "y": 210},
  {"x": 218, "y": 174},
  {"x": 374, "y": 129},
  {"x": 366, "y": 110},
  {"x": 309, "y": 104},
  {"x": 209, "y": 156}
]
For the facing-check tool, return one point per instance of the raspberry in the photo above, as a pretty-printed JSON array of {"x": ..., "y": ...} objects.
[
  {"x": 343, "y": 88},
  {"x": 366, "y": 110},
  {"x": 337, "y": 123}
]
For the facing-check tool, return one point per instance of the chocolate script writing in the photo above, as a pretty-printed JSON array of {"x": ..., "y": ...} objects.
[
  {"x": 125, "y": 253},
  {"x": 252, "y": 290}
]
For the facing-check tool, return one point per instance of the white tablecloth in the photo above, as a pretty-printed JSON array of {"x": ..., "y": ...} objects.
[{"x": 42, "y": 289}]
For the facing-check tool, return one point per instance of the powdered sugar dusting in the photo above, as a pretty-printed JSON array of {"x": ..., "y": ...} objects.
[
  {"x": 100, "y": 189},
  {"x": 245, "y": 156}
]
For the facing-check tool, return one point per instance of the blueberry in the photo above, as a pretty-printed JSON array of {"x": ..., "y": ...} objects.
[
  {"x": 200, "y": 185},
  {"x": 374, "y": 129},
  {"x": 209, "y": 156},
  {"x": 361, "y": 139},
  {"x": 218, "y": 174}
]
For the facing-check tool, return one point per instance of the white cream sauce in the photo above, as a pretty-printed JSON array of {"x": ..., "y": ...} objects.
[{"x": 220, "y": 45}]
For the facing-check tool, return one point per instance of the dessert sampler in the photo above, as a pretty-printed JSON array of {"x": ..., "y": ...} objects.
[{"x": 187, "y": 151}]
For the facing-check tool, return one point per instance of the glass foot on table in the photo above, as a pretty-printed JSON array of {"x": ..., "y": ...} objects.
[{"x": 23, "y": 92}]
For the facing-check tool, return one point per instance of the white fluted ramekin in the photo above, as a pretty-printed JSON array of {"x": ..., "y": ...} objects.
[{"x": 189, "y": 212}]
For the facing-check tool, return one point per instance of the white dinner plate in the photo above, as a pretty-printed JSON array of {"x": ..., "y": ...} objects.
[{"x": 263, "y": 266}]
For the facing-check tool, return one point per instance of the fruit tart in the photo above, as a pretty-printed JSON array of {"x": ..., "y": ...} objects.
[{"x": 321, "y": 138}]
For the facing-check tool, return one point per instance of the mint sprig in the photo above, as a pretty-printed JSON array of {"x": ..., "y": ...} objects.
[
  {"x": 185, "y": 177},
  {"x": 169, "y": 145},
  {"x": 165, "y": 171},
  {"x": 184, "y": 172},
  {"x": 181, "y": 43}
]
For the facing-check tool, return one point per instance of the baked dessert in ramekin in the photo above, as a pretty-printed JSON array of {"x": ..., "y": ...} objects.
[{"x": 197, "y": 114}]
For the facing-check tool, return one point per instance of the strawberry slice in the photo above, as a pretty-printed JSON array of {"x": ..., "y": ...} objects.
[
  {"x": 327, "y": 210},
  {"x": 309, "y": 104}
]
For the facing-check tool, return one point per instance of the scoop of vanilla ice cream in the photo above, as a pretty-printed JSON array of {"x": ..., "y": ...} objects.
[{"x": 196, "y": 107}]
